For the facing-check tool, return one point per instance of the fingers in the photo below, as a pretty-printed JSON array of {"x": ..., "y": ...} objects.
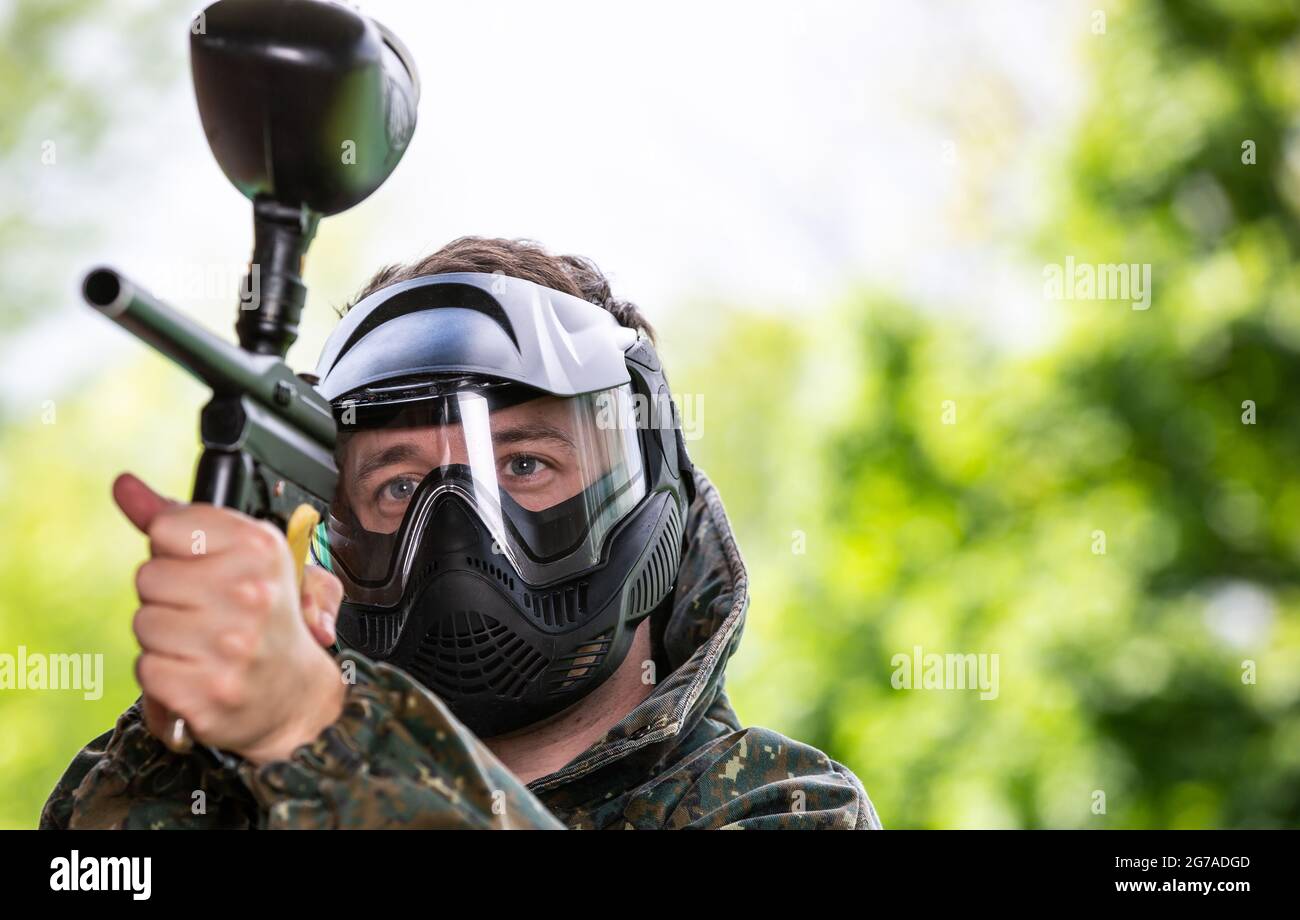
[
  {"x": 196, "y": 582},
  {"x": 156, "y": 717},
  {"x": 220, "y": 622},
  {"x": 321, "y": 595},
  {"x": 177, "y": 529},
  {"x": 227, "y": 622},
  {"x": 138, "y": 502},
  {"x": 155, "y": 629},
  {"x": 184, "y": 531},
  {"x": 174, "y": 688},
  {"x": 162, "y": 723}
]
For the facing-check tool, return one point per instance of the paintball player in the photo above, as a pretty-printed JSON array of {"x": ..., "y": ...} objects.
[{"x": 522, "y": 603}]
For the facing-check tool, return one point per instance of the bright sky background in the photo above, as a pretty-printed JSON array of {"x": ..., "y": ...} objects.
[{"x": 771, "y": 155}]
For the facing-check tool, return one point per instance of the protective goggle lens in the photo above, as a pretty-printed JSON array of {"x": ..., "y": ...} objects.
[{"x": 548, "y": 476}]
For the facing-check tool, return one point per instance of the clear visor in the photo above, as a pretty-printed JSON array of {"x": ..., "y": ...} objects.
[{"x": 548, "y": 476}]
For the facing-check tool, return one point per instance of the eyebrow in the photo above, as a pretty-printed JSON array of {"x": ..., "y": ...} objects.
[
  {"x": 531, "y": 432},
  {"x": 396, "y": 453},
  {"x": 406, "y": 450}
]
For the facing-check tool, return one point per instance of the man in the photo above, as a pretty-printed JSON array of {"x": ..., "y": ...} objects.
[{"x": 533, "y": 596}]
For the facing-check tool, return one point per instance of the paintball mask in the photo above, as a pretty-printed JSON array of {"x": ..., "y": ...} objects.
[{"x": 512, "y": 493}]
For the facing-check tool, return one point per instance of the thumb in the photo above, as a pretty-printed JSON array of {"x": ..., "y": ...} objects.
[{"x": 138, "y": 502}]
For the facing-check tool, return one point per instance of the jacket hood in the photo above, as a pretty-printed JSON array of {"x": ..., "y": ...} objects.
[{"x": 703, "y": 629}]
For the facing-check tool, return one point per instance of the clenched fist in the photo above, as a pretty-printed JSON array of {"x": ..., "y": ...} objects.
[{"x": 227, "y": 640}]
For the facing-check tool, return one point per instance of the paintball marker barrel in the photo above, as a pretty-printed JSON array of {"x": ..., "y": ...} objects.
[{"x": 226, "y": 368}]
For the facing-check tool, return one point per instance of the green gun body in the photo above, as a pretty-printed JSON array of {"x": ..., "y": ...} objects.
[{"x": 268, "y": 436}]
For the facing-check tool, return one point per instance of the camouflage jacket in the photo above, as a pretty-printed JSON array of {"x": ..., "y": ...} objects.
[{"x": 397, "y": 758}]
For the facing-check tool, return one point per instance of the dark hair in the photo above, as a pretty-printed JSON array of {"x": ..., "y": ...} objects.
[{"x": 526, "y": 259}]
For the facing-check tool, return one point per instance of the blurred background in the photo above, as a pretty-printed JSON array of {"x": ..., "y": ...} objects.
[{"x": 842, "y": 218}]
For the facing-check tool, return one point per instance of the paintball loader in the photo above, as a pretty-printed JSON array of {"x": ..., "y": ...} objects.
[{"x": 307, "y": 106}]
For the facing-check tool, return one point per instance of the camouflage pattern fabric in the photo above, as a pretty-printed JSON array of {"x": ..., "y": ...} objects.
[{"x": 397, "y": 757}]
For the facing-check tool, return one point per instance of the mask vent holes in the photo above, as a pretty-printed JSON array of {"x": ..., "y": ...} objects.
[
  {"x": 658, "y": 572},
  {"x": 423, "y": 574},
  {"x": 558, "y": 608},
  {"x": 376, "y": 634},
  {"x": 572, "y": 669},
  {"x": 488, "y": 568},
  {"x": 469, "y": 653}
]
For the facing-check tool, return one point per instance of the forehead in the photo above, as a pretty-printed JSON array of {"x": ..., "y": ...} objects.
[{"x": 542, "y": 417}]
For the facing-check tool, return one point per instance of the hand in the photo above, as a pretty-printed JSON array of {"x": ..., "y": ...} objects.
[{"x": 228, "y": 643}]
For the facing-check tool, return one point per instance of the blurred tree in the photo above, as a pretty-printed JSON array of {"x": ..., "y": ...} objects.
[
  {"x": 65, "y": 574},
  {"x": 70, "y": 73},
  {"x": 1108, "y": 517}
]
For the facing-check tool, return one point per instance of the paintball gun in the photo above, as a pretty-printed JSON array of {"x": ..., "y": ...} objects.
[{"x": 308, "y": 106}]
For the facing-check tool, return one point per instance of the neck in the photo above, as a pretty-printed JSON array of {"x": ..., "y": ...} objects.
[{"x": 539, "y": 750}]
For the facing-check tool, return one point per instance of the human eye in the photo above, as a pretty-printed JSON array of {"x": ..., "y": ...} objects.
[
  {"x": 525, "y": 468},
  {"x": 394, "y": 494}
]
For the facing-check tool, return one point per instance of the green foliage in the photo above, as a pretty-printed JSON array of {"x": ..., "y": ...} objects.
[
  {"x": 67, "y": 572},
  {"x": 1120, "y": 672},
  {"x": 56, "y": 111}
]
